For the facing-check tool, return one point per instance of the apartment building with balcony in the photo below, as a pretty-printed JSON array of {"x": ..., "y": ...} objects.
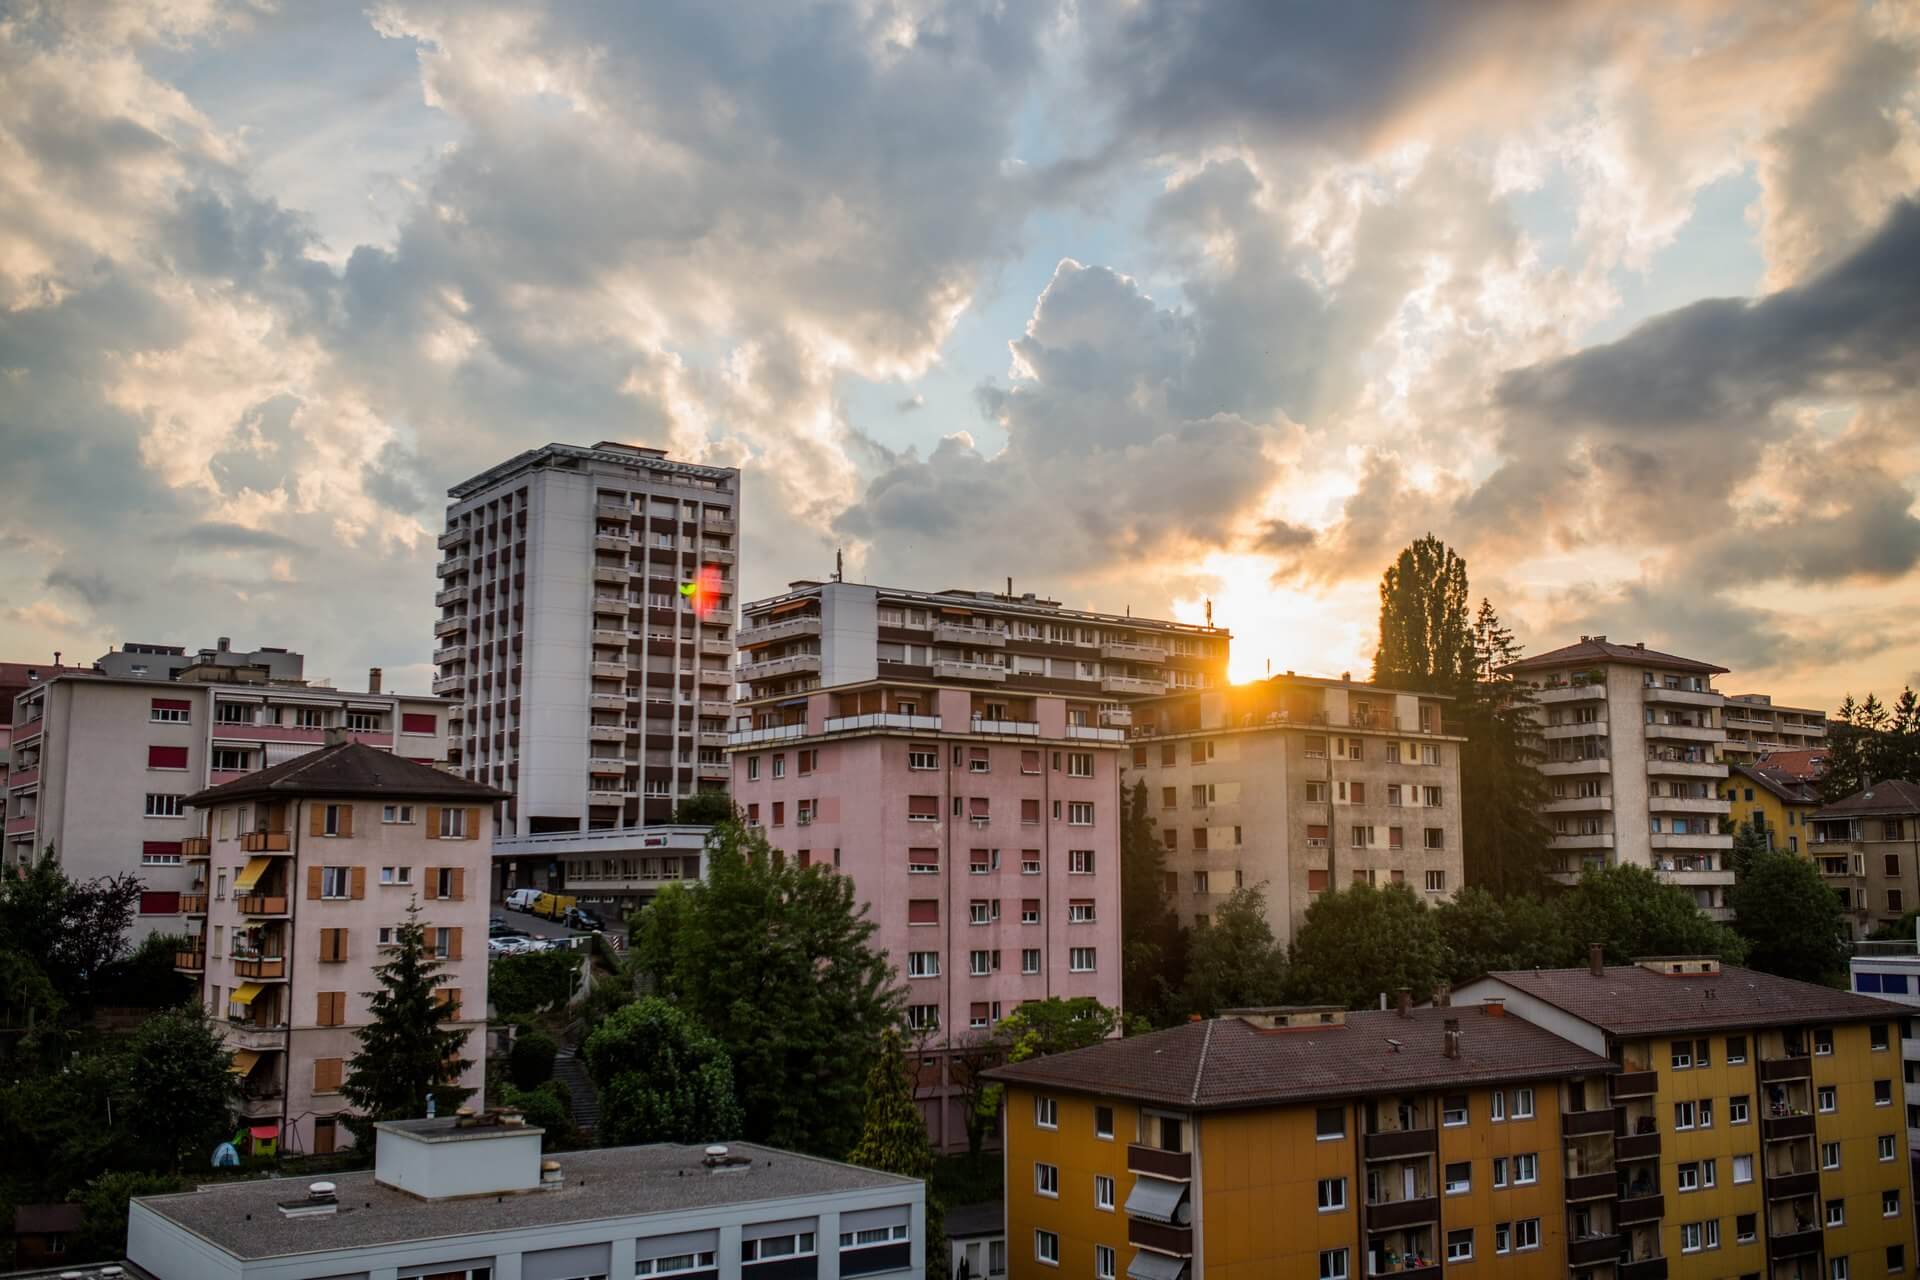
[
  {"x": 615, "y": 872},
  {"x": 823, "y": 634},
  {"x": 1867, "y": 847},
  {"x": 1757, "y": 726},
  {"x": 307, "y": 868},
  {"x": 1313, "y": 1142},
  {"x": 588, "y": 684},
  {"x": 101, "y": 766},
  {"x": 982, "y": 833},
  {"x": 1757, "y": 1127},
  {"x": 1633, "y": 771},
  {"x": 473, "y": 1198},
  {"x": 1777, "y": 804},
  {"x": 1298, "y": 784}
]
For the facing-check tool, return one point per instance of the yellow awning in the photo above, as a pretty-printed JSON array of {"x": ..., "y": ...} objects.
[
  {"x": 243, "y": 1060},
  {"x": 251, "y": 873},
  {"x": 245, "y": 992}
]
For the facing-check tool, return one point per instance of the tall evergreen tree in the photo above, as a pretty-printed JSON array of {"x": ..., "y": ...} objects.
[
  {"x": 405, "y": 1053},
  {"x": 1425, "y": 635},
  {"x": 1504, "y": 838},
  {"x": 893, "y": 1136},
  {"x": 1869, "y": 742},
  {"x": 1154, "y": 956}
]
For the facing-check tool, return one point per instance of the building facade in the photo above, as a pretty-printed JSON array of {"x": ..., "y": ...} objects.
[
  {"x": 222, "y": 663},
  {"x": 616, "y": 872},
  {"x": 587, "y": 607},
  {"x": 825, "y": 634},
  {"x": 472, "y": 1198},
  {"x": 981, "y": 830},
  {"x": 1867, "y": 847},
  {"x": 101, "y": 767},
  {"x": 307, "y": 869},
  {"x": 1298, "y": 785},
  {"x": 1891, "y": 971},
  {"x": 1778, "y": 804},
  {"x": 1757, "y": 726},
  {"x": 1313, "y": 1143},
  {"x": 1757, "y": 1121},
  {"x": 1632, "y": 739}
]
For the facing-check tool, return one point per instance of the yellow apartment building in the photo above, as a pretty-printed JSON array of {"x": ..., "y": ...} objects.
[
  {"x": 1758, "y": 1123},
  {"x": 1313, "y": 1143},
  {"x": 1779, "y": 804}
]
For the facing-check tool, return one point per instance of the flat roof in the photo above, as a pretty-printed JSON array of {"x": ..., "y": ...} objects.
[
  {"x": 619, "y": 455},
  {"x": 617, "y": 1182},
  {"x": 253, "y": 691},
  {"x": 955, "y": 598}
]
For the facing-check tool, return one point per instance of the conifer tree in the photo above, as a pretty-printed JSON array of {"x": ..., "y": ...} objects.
[
  {"x": 893, "y": 1135},
  {"x": 405, "y": 1053}
]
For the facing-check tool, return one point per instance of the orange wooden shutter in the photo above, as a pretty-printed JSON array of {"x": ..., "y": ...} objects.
[
  {"x": 453, "y": 943},
  {"x": 473, "y": 824},
  {"x": 346, "y": 819},
  {"x": 449, "y": 1003},
  {"x": 339, "y": 1007},
  {"x": 326, "y": 1075},
  {"x": 433, "y": 883},
  {"x": 459, "y": 893},
  {"x": 433, "y": 822},
  {"x": 359, "y": 882},
  {"x": 313, "y": 882},
  {"x": 317, "y": 820}
]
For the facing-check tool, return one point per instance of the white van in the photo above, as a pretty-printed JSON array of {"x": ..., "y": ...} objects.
[{"x": 522, "y": 899}]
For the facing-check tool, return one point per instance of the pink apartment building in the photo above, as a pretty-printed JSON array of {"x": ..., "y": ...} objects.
[
  {"x": 982, "y": 831},
  {"x": 312, "y": 865}
]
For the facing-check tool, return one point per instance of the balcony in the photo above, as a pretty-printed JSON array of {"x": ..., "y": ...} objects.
[
  {"x": 954, "y": 669},
  {"x": 1400, "y": 1143},
  {"x": 1593, "y": 1251},
  {"x": 1121, "y": 651},
  {"x": 1117, "y": 717},
  {"x": 1580, "y": 1124},
  {"x": 1160, "y": 1237},
  {"x": 193, "y": 904},
  {"x": 266, "y": 967},
  {"x": 260, "y": 904},
  {"x": 1096, "y": 733},
  {"x": 1643, "y": 1269},
  {"x": 1688, "y": 804},
  {"x": 1152, "y": 1161},
  {"x": 607, "y": 733},
  {"x": 260, "y": 1038},
  {"x": 1684, "y": 733},
  {"x": 969, "y": 636},
  {"x": 1571, "y": 768},
  {"x": 452, "y": 567},
  {"x": 449, "y": 653},
  {"x": 1683, "y": 697},
  {"x": 609, "y": 636},
  {"x": 1559, "y": 695},
  {"x": 613, "y": 510},
  {"x": 1593, "y": 1186},
  {"x": 265, "y": 842},
  {"x": 793, "y": 664},
  {"x": 452, "y": 538},
  {"x": 618, "y": 544},
  {"x": 1690, "y": 840},
  {"x": 716, "y": 648},
  {"x": 608, "y": 701},
  {"x": 1583, "y": 840},
  {"x": 452, "y": 595},
  {"x": 610, "y": 575},
  {"x": 719, "y": 524},
  {"x": 717, "y": 677},
  {"x": 443, "y": 685},
  {"x": 1635, "y": 1209},
  {"x": 1592, "y": 729},
  {"x": 1785, "y": 1128},
  {"x": 807, "y": 624},
  {"x": 717, "y": 555},
  {"x": 1132, "y": 685},
  {"x": 1792, "y": 1186},
  {"x": 1789, "y": 1067},
  {"x": 607, "y": 766},
  {"x": 610, "y": 670},
  {"x": 713, "y": 770},
  {"x": 1636, "y": 1146},
  {"x": 190, "y": 961},
  {"x": 25, "y": 776},
  {"x": 714, "y": 708},
  {"x": 450, "y": 627},
  {"x": 1391, "y": 1215},
  {"x": 1793, "y": 1244},
  {"x": 877, "y": 720},
  {"x": 196, "y": 847},
  {"x": 22, "y": 825},
  {"x": 262, "y": 1104},
  {"x": 1686, "y": 769}
]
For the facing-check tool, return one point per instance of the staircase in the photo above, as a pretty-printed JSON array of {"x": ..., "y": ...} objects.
[{"x": 571, "y": 1072}]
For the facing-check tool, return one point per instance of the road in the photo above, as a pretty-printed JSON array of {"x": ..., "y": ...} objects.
[{"x": 527, "y": 922}]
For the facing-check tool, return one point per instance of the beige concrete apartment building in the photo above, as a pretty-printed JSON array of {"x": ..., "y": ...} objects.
[
  {"x": 1757, "y": 726},
  {"x": 1633, "y": 768},
  {"x": 306, "y": 869},
  {"x": 1300, "y": 785},
  {"x": 101, "y": 767},
  {"x": 1867, "y": 847}
]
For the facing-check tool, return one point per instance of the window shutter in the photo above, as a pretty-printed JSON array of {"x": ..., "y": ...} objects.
[
  {"x": 166, "y": 757},
  {"x": 346, "y": 819},
  {"x": 473, "y": 824},
  {"x": 432, "y": 887},
  {"x": 459, "y": 884},
  {"x": 416, "y": 722},
  {"x": 323, "y": 1009},
  {"x": 313, "y": 882},
  {"x": 316, "y": 820},
  {"x": 923, "y": 911},
  {"x": 453, "y": 943},
  {"x": 326, "y": 1075},
  {"x": 453, "y": 1003},
  {"x": 359, "y": 882},
  {"x": 433, "y": 822}
]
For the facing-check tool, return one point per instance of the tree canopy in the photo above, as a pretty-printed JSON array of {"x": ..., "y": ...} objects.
[
  {"x": 704, "y": 809},
  {"x": 1791, "y": 920},
  {"x": 1154, "y": 945},
  {"x": 1425, "y": 641},
  {"x": 1234, "y": 962},
  {"x": 661, "y": 1077},
  {"x": 406, "y": 1053},
  {"x": 1632, "y": 913},
  {"x": 1870, "y": 741},
  {"x": 1358, "y": 942}
]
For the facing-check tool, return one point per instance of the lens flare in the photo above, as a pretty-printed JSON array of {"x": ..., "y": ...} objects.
[{"x": 703, "y": 593}]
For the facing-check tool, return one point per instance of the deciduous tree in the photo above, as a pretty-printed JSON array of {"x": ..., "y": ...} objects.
[
  {"x": 1632, "y": 913},
  {"x": 1791, "y": 920},
  {"x": 1358, "y": 943},
  {"x": 704, "y": 809},
  {"x": 181, "y": 1087},
  {"x": 1484, "y": 933},
  {"x": 1234, "y": 962},
  {"x": 662, "y": 1078}
]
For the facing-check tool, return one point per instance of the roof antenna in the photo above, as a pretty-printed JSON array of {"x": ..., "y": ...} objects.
[
  {"x": 1009, "y": 588},
  {"x": 839, "y": 564},
  {"x": 1209, "y": 613}
]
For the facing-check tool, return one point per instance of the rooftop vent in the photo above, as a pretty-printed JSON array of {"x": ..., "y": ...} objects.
[
  {"x": 552, "y": 1177},
  {"x": 321, "y": 1199},
  {"x": 1281, "y": 1017},
  {"x": 719, "y": 1160}
]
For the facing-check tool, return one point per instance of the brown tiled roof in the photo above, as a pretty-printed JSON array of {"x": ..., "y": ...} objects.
[
  {"x": 42, "y": 1219},
  {"x": 1789, "y": 787},
  {"x": 348, "y": 769},
  {"x": 1807, "y": 764},
  {"x": 1229, "y": 1063},
  {"x": 1629, "y": 1000},
  {"x": 1889, "y": 795},
  {"x": 1599, "y": 649}
]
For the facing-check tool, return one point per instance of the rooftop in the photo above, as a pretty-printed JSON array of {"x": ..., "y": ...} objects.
[
  {"x": 243, "y": 1218},
  {"x": 1627, "y": 1000},
  {"x": 1808, "y": 763},
  {"x": 1788, "y": 786},
  {"x": 988, "y": 1218},
  {"x": 1599, "y": 649},
  {"x": 963, "y": 600},
  {"x": 348, "y": 769},
  {"x": 1229, "y": 1063},
  {"x": 1889, "y": 795},
  {"x": 624, "y": 455}
]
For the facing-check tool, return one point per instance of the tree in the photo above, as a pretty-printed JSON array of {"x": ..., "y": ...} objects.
[
  {"x": 661, "y": 1078},
  {"x": 182, "y": 1089},
  {"x": 893, "y": 1136},
  {"x": 1870, "y": 742},
  {"x": 1748, "y": 843},
  {"x": 530, "y": 1061},
  {"x": 1504, "y": 838},
  {"x": 524, "y": 985},
  {"x": 146, "y": 979},
  {"x": 1484, "y": 933},
  {"x": 1154, "y": 950},
  {"x": 71, "y": 929},
  {"x": 1791, "y": 920},
  {"x": 777, "y": 962},
  {"x": 704, "y": 809},
  {"x": 103, "y": 1212},
  {"x": 405, "y": 1054},
  {"x": 1632, "y": 913},
  {"x": 1234, "y": 962},
  {"x": 1356, "y": 943},
  {"x": 549, "y": 1106},
  {"x": 1425, "y": 643},
  {"x": 1040, "y": 1028}
]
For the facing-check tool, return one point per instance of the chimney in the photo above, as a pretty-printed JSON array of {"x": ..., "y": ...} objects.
[
  {"x": 1494, "y": 1006},
  {"x": 1442, "y": 996},
  {"x": 336, "y": 736},
  {"x": 224, "y": 643},
  {"x": 1406, "y": 1003},
  {"x": 1450, "y": 1044},
  {"x": 373, "y": 679},
  {"x": 1596, "y": 960}
]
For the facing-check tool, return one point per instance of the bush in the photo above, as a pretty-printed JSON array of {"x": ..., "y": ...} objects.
[
  {"x": 530, "y": 1062},
  {"x": 521, "y": 986},
  {"x": 550, "y": 1107},
  {"x": 103, "y": 1212}
]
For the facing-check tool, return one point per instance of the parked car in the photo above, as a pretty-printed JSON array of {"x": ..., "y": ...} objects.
[
  {"x": 522, "y": 899},
  {"x": 494, "y": 921},
  {"x": 501, "y": 929},
  {"x": 581, "y": 918},
  {"x": 508, "y": 946},
  {"x": 552, "y": 906}
]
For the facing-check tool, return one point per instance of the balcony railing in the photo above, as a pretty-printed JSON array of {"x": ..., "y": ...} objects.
[
  {"x": 193, "y": 904},
  {"x": 1132, "y": 684},
  {"x": 1578, "y": 1124},
  {"x": 1643, "y": 1269},
  {"x": 1793, "y": 1244},
  {"x": 1786, "y": 1128},
  {"x": 260, "y": 966},
  {"x": 265, "y": 842},
  {"x": 1640, "y": 1208},
  {"x": 792, "y": 664},
  {"x": 1792, "y": 1186},
  {"x": 1120, "y": 651},
  {"x": 1176, "y": 1165},
  {"x": 260, "y": 904},
  {"x": 196, "y": 847},
  {"x": 954, "y": 669},
  {"x": 1400, "y": 1143},
  {"x": 1592, "y": 1186},
  {"x": 1160, "y": 1237},
  {"x": 1593, "y": 1251},
  {"x": 190, "y": 961},
  {"x": 1635, "y": 1084},
  {"x": 972, "y": 637},
  {"x": 1392, "y": 1215},
  {"x": 784, "y": 629},
  {"x": 1636, "y": 1146},
  {"x": 1791, "y": 1067}
]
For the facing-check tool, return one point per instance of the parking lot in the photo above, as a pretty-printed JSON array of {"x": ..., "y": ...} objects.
[{"x": 534, "y": 926}]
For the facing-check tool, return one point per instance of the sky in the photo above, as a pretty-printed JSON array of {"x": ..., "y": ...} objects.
[{"x": 1143, "y": 304}]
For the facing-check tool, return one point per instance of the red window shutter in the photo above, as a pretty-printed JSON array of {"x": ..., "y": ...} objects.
[
  {"x": 1030, "y": 762},
  {"x": 923, "y": 911},
  {"x": 172, "y": 704},
  {"x": 156, "y": 903},
  {"x": 979, "y": 806},
  {"x": 1080, "y": 902},
  {"x": 1029, "y": 811},
  {"x": 1029, "y": 904},
  {"x": 152, "y": 847},
  {"x": 166, "y": 757},
  {"x": 419, "y": 722},
  {"x": 923, "y": 806},
  {"x": 979, "y": 1009},
  {"x": 922, "y": 857},
  {"x": 1316, "y": 881},
  {"x": 1359, "y": 793},
  {"x": 1316, "y": 831}
]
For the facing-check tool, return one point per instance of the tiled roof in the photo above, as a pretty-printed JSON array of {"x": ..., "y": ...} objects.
[
  {"x": 1628, "y": 1000},
  {"x": 1230, "y": 1063},
  {"x": 348, "y": 769},
  {"x": 1600, "y": 649},
  {"x": 1889, "y": 795},
  {"x": 1789, "y": 787},
  {"x": 1809, "y": 763}
]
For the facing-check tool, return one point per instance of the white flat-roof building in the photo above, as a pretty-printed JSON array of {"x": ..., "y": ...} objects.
[
  {"x": 619, "y": 870},
  {"x": 1891, "y": 970}
]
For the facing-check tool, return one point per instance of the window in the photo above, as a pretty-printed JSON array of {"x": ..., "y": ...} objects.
[
  {"x": 1459, "y": 1178},
  {"x": 1709, "y": 1173},
  {"x": 1838, "y": 1269},
  {"x": 1436, "y": 838},
  {"x": 917, "y": 758},
  {"x": 923, "y": 1017},
  {"x": 230, "y": 760},
  {"x": 923, "y": 964},
  {"x": 1889, "y": 1204},
  {"x": 1046, "y": 1179},
  {"x": 923, "y": 808},
  {"x": 1080, "y": 911},
  {"x": 1526, "y": 1233},
  {"x": 1829, "y": 1155},
  {"x": 1080, "y": 959},
  {"x": 335, "y": 882},
  {"x": 1836, "y": 1213},
  {"x": 1746, "y": 1227},
  {"x": 397, "y": 813},
  {"x": 982, "y": 963},
  {"x": 1103, "y": 1192},
  {"x": 166, "y": 757},
  {"x": 798, "y": 1244},
  {"x": 1682, "y": 1054},
  {"x": 922, "y": 861},
  {"x": 1742, "y": 1169},
  {"x": 1079, "y": 764},
  {"x": 1886, "y": 1146},
  {"x": 1329, "y": 1123},
  {"x": 1030, "y": 911},
  {"x": 1080, "y": 813},
  {"x": 1363, "y": 837},
  {"x": 1460, "y": 1245},
  {"x": 1736, "y": 1050},
  {"x": 983, "y": 911},
  {"x": 1103, "y": 1263},
  {"x": 1046, "y": 1248},
  {"x": 170, "y": 710},
  {"x": 1683, "y": 1115},
  {"x": 1526, "y": 1169},
  {"x": 1883, "y": 1093},
  {"x": 1877, "y": 1037},
  {"x": 1823, "y": 1041},
  {"x": 1690, "y": 1237},
  {"x": 1332, "y": 1194},
  {"x": 453, "y": 824},
  {"x": 1453, "y": 1109},
  {"x": 233, "y": 713},
  {"x": 1687, "y": 1177},
  {"x": 1739, "y": 1110},
  {"x": 1499, "y": 1171},
  {"x": 1523, "y": 1103},
  {"x": 1826, "y": 1099},
  {"x": 1079, "y": 862},
  {"x": 1030, "y": 960},
  {"x": 1029, "y": 862},
  {"x": 1316, "y": 793},
  {"x": 159, "y": 806},
  {"x": 1436, "y": 882},
  {"x": 1030, "y": 812},
  {"x": 1502, "y": 1237},
  {"x": 1333, "y": 1264},
  {"x": 982, "y": 861},
  {"x": 1046, "y": 1113},
  {"x": 1103, "y": 1123}
]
